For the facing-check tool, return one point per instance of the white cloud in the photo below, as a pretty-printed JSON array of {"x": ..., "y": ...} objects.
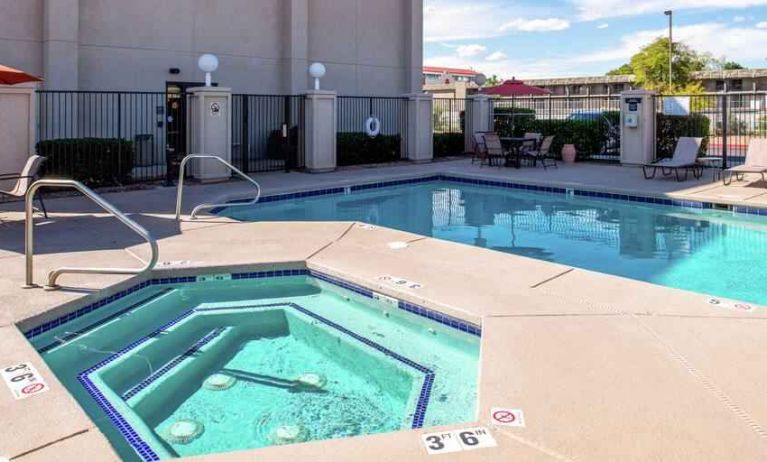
[
  {"x": 716, "y": 38},
  {"x": 496, "y": 56},
  {"x": 536, "y": 25},
  {"x": 454, "y": 21},
  {"x": 599, "y": 9},
  {"x": 739, "y": 19},
  {"x": 761, "y": 25},
  {"x": 465, "y": 51},
  {"x": 604, "y": 25}
]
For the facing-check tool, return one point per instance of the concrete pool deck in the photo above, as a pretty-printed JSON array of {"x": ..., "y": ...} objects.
[{"x": 604, "y": 368}]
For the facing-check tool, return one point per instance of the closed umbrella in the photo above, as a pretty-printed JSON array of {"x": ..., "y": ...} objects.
[
  {"x": 514, "y": 87},
  {"x": 11, "y": 76}
]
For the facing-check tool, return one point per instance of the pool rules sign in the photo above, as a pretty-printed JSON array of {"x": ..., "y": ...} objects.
[
  {"x": 23, "y": 380},
  {"x": 467, "y": 439}
]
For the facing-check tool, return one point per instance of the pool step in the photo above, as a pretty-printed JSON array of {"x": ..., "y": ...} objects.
[{"x": 175, "y": 362}]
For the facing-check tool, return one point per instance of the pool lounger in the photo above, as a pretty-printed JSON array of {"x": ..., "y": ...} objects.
[{"x": 685, "y": 158}]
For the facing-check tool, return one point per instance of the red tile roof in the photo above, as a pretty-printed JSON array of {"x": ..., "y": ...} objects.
[{"x": 449, "y": 71}]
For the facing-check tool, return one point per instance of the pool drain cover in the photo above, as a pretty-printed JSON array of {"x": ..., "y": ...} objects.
[
  {"x": 317, "y": 381},
  {"x": 218, "y": 382},
  {"x": 184, "y": 432},
  {"x": 289, "y": 434}
]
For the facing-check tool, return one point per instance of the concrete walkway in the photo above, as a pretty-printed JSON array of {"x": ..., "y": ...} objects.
[{"x": 604, "y": 368}]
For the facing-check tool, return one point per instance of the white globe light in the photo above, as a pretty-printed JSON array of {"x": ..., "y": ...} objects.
[
  {"x": 317, "y": 70},
  {"x": 208, "y": 63}
]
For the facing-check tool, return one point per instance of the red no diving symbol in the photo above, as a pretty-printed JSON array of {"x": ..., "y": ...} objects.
[
  {"x": 504, "y": 416},
  {"x": 32, "y": 389}
]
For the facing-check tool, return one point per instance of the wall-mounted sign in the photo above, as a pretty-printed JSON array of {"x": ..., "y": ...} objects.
[
  {"x": 215, "y": 110},
  {"x": 676, "y": 105}
]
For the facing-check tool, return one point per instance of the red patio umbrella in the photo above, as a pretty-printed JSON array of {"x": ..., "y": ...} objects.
[
  {"x": 11, "y": 76},
  {"x": 514, "y": 87}
]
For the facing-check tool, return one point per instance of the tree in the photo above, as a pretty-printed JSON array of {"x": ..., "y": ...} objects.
[
  {"x": 650, "y": 67},
  {"x": 493, "y": 81},
  {"x": 722, "y": 64}
]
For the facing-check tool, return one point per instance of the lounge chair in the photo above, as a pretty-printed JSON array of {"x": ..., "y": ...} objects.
[
  {"x": 494, "y": 148},
  {"x": 542, "y": 153},
  {"x": 24, "y": 180},
  {"x": 685, "y": 159},
  {"x": 756, "y": 162}
]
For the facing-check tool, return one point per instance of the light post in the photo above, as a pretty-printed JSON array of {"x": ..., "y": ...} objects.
[
  {"x": 208, "y": 64},
  {"x": 317, "y": 71},
  {"x": 670, "y": 15}
]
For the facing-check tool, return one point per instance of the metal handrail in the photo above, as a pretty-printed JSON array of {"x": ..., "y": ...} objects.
[
  {"x": 180, "y": 194},
  {"x": 54, "y": 275}
]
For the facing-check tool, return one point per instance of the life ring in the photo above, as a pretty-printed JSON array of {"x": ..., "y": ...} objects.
[{"x": 372, "y": 126}]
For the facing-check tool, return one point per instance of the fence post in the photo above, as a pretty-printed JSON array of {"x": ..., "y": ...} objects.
[
  {"x": 725, "y": 129},
  {"x": 320, "y": 116},
  {"x": 210, "y": 111},
  {"x": 420, "y": 128},
  {"x": 479, "y": 118},
  {"x": 638, "y": 138}
]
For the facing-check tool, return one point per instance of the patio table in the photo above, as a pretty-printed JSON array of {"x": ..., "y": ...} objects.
[
  {"x": 712, "y": 162},
  {"x": 515, "y": 144}
]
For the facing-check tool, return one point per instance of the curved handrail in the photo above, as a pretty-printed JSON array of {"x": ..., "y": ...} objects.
[
  {"x": 55, "y": 274},
  {"x": 181, "y": 175}
]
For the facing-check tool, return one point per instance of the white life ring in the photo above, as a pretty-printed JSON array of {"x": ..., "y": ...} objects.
[{"x": 372, "y": 126}]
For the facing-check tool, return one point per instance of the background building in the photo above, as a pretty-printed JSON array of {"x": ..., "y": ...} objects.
[
  {"x": 712, "y": 81},
  {"x": 447, "y": 82},
  {"x": 370, "y": 47}
]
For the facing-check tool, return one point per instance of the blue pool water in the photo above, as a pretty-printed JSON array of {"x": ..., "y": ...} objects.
[
  {"x": 207, "y": 367},
  {"x": 705, "y": 251}
]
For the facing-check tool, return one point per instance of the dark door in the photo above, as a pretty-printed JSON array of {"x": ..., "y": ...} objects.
[{"x": 176, "y": 124}]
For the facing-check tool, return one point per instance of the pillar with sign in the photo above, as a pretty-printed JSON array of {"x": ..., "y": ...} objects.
[
  {"x": 210, "y": 131},
  {"x": 637, "y": 127}
]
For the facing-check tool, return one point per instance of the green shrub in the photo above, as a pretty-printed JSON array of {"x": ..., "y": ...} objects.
[
  {"x": 448, "y": 144},
  {"x": 670, "y": 128},
  {"x": 359, "y": 148},
  {"x": 92, "y": 161}
]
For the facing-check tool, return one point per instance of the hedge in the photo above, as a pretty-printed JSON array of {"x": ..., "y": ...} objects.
[
  {"x": 588, "y": 136},
  {"x": 670, "y": 128},
  {"x": 359, "y": 148},
  {"x": 92, "y": 161},
  {"x": 448, "y": 144}
]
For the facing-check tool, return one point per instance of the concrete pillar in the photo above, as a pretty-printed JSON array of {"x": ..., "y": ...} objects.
[
  {"x": 420, "y": 127},
  {"x": 61, "y": 35},
  {"x": 478, "y": 118},
  {"x": 414, "y": 56},
  {"x": 320, "y": 126},
  {"x": 17, "y": 127},
  {"x": 210, "y": 131},
  {"x": 296, "y": 45},
  {"x": 637, "y": 127}
]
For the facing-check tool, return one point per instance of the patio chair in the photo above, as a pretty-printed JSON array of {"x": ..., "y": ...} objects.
[
  {"x": 756, "y": 162},
  {"x": 685, "y": 159},
  {"x": 480, "y": 152},
  {"x": 533, "y": 146},
  {"x": 542, "y": 154},
  {"x": 494, "y": 148},
  {"x": 24, "y": 180}
]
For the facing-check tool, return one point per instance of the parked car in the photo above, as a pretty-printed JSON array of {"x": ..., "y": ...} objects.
[{"x": 611, "y": 144}]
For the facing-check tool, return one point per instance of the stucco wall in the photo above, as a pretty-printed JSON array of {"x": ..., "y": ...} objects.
[{"x": 263, "y": 45}]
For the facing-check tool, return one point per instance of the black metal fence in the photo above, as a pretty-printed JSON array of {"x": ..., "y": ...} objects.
[
  {"x": 103, "y": 138},
  {"x": 591, "y": 123},
  {"x": 726, "y": 121},
  {"x": 267, "y": 132},
  {"x": 449, "y": 122},
  {"x": 355, "y": 145}
]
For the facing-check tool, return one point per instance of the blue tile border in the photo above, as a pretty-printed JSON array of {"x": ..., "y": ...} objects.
[
  {"x": 436, "y": 316},
  {"x": 509, "y": 185},
  {"x": 146, "y": 452}
]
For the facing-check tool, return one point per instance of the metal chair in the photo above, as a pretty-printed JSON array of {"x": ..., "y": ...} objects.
[{"x": 24, "y": 180}]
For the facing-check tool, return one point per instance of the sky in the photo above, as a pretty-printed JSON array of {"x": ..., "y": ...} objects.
[{"x": 560, "y": 38}]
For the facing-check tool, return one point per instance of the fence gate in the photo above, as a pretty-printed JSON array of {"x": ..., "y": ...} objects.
[
  {"x": 449, "y": 121},
  {"x": 726, "y": 121},
  {"x": 267, "y": 132}
]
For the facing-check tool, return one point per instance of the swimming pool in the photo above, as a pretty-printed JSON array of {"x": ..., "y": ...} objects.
[
  {"x": 192, "y": 366},
  {"x": 701, "y": 250}
]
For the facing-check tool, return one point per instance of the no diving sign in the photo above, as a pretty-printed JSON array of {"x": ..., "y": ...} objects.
[
  {"x": 507, "y": 417},
  {"x": 23, "y": 380}
]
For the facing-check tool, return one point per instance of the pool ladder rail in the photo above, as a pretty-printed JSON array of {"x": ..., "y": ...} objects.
[
  {"x": 54, "y": 275},
  {"x": 196, "y": 210}
]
